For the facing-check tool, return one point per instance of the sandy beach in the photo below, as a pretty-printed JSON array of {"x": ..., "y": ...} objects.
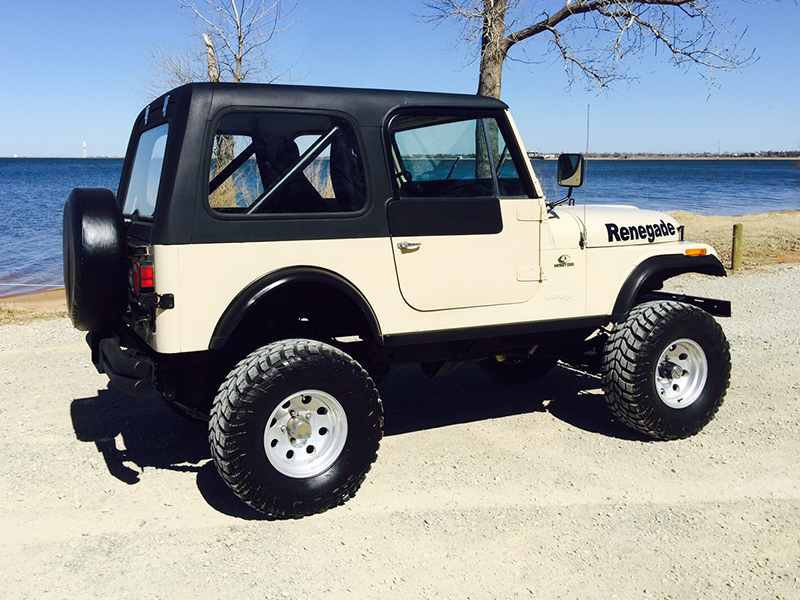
[
  {"x": 769, "y": 238},
  {"x": 480, "y": 490}
]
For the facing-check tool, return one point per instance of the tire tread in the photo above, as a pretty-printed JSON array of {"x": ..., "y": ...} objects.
[
  {"x": 235, "y": 400},
  {"x": 627, "y": 386}
]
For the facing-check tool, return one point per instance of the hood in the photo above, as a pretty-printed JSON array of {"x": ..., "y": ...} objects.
[{"x": 612, "y": 225}]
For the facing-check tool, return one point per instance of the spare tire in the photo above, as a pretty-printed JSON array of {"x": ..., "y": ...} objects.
[{"x": 95, "y": 275}]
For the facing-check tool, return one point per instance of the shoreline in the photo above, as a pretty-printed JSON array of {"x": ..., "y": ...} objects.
[
  {"x": 51, "y": 299},
  {"x": 62, "y": 158},
  {"x": 538, "y": 156},
  {"x": 623, "y": 156},
  {"x": 24, "y": 308},
  {"x": 548, "y": 157}
]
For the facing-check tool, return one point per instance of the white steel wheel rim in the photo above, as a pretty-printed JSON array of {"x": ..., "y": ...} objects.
[
  {"x": 681, "y": 373},
  {"x": 305, "y": 434}
]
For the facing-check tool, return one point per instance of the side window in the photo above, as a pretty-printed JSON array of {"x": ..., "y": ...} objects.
[
  {"x": 441, "y": 157},
  {"x": 241, "y": 186},
  {"x": 284, "y": 163},
  {"x": 452, "y": 157},
  {"x": 318, "y": 171},
  {"x": 142, "y": 189},
  {"x": 508, "y": 180}
]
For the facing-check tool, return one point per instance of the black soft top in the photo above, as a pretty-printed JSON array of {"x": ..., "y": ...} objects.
[
  {"x": 369, "y": 107},
  {"x": 192, "y": 111}
]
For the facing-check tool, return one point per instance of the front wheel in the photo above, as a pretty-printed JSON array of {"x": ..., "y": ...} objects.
[
  {"x": 666, "y": 369},
  {"x": 295, "y": 428}
]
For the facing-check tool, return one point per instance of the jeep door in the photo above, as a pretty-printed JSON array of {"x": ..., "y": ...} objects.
[{"x": 464, "y": 224}]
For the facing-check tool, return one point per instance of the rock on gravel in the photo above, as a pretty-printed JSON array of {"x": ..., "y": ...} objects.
[{"x": 481, "y": 490}]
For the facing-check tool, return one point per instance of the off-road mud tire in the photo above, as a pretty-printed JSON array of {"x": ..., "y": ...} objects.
[
  {"x": 241, "y": 428},
  {"x": 634, "y": 385},
  {"x": 95, "y": 274}
]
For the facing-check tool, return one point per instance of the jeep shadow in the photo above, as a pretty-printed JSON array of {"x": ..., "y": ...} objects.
[
  {"x": 414, "y": 402},
  {"x": 132, "y": 435},
  {"x": 135, "y": 434}
]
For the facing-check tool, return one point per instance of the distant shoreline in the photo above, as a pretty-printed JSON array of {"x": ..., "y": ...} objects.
[
  {"x": 62, "y": 158},
  {"x": 668, "y": 157},
  {"x": 790, "y": 155}
]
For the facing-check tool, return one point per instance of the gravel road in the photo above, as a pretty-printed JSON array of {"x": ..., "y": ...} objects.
[{"x": 481, "y": 490}]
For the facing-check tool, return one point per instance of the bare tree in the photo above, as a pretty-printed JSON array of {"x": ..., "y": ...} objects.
[
  {"x": 236, "y": 36},
  {"x": 211, "y": 59},
  {"x": 236, "y": 44},
  {"x": 592, "y": 37},
  {"x": 240, "y": 32}
]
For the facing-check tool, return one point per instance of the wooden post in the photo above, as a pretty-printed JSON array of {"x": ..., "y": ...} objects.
[{"x": 736, "y": 249}]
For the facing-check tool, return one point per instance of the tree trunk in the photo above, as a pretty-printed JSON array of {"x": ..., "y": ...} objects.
[
  {"x": 211, "y": 55},
  {"x": 224, "y": 150},
  {"x": 494, "y": 48}
]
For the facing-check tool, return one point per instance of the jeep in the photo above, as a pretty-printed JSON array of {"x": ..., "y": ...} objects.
[{"x": 273, "y": 250}]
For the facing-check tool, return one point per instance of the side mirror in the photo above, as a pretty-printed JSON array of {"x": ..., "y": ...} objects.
[{"x": 570, "y": 170}]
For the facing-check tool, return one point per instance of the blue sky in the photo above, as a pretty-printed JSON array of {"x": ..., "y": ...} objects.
[{"x": 73, "y": 72}]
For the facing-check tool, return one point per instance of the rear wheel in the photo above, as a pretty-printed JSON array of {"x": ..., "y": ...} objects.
[
  {"x": 295, "y": 428},
  {"x": 666, "y": 369},
  {"x": 95, "y": 273}
]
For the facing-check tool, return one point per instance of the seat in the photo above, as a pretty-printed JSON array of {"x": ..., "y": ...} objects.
[
  {"x": 296, "y": 195},
  {"x": 347, "y": 175}
]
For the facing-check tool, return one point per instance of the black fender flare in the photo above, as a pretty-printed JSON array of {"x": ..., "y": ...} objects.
[
  {"x": 263, "y": 286},
  {"x": 650, "y": 275}
]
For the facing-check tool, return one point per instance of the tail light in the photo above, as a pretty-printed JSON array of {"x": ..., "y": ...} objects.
[{"x": 143, "y": 277}]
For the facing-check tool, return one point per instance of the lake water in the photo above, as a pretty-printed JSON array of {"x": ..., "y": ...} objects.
[
  {"x": 707, "y": 187},
  {"x": 32, "y": 193}
]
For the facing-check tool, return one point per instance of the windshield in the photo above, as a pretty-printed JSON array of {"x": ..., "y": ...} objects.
[{"x": 146, "y": 173}]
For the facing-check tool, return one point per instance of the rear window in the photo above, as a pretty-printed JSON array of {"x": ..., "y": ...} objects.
[
  {"x": 285, "y": 163},
  {"x": 146, "y": 173}
]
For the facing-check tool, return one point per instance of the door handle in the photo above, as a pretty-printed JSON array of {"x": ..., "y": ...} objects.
[{"x": 408, "y": 245}]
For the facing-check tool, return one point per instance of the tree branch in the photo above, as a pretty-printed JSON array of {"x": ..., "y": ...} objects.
[
  {"x": 240, "y": 32},
  {"x": 593, "y": 37}
]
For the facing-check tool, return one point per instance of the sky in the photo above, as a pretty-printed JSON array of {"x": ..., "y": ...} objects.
[{"x": 74, "y": 72}]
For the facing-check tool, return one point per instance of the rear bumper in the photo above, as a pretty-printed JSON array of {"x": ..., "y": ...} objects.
[{"x": 129, "y": 371}]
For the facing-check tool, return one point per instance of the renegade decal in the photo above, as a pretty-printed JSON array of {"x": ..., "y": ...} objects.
[{"x": 639, "y": 232}]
